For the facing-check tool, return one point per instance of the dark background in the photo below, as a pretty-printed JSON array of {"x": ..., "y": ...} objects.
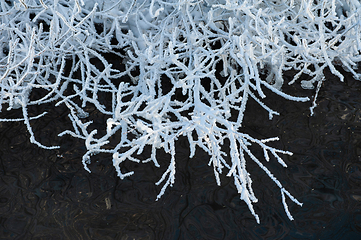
[{"x": 46, "y": 194}]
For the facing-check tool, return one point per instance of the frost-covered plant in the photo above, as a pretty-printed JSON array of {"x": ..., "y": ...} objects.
[{"x": 211, "y": 53}]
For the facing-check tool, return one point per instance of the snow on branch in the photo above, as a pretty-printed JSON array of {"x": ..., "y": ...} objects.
[{"x": 211, "y": 53}]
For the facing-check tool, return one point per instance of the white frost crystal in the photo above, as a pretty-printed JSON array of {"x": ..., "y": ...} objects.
[{"x": 185, "y": 42}]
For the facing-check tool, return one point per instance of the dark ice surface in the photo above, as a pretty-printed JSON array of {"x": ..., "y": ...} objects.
[{"x": 47, "y": 194}]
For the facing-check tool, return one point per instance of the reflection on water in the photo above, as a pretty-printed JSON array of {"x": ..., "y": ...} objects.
[{"x": 46, "y": 194}]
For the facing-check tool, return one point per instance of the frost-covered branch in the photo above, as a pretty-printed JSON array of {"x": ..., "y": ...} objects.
[{"x": 192, "y": 67}]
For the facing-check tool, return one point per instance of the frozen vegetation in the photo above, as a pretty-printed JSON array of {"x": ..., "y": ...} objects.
[{"x": 212, "y": 54}]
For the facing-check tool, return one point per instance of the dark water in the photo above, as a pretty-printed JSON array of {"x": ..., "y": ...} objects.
[{"x": 46, "y": 194}]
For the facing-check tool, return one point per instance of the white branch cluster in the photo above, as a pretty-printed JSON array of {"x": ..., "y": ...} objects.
[{"x": 212, "y": 52}]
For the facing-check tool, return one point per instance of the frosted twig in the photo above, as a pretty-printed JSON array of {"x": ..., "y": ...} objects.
[{"x": 192, "y": 67}]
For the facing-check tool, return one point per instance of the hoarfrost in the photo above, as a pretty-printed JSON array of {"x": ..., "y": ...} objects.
[{"x": 186, "y": 42}]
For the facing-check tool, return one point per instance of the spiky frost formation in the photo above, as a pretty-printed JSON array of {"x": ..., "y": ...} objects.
[{"x": 186, "y": 43}]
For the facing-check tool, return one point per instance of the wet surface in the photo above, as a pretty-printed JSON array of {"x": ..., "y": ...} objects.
[{"x": 46, "y": 194}]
